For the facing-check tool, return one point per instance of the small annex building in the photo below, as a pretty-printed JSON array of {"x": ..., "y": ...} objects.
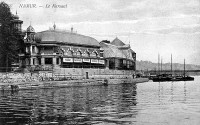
[{"x": 119, "y": 55}]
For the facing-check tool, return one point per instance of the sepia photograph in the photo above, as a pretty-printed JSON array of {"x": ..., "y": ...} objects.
[{"x": 99, "y": 62}]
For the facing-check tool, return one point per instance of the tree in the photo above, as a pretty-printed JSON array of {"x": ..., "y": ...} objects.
[{"x": 10, "y": 42}]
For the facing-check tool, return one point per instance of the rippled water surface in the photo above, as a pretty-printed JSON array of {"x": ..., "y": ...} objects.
[{"x": 166, "y": 103}]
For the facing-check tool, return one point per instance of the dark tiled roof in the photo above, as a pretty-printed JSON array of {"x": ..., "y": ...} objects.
[
  {"x": 117, "y": 42},
  {"x": 53, "y": 36}
]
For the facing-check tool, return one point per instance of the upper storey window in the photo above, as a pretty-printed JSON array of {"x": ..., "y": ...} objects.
[
  {"x": 69, "y": 53},
  {"x": 27, "y": 49},
  {"x": 33, "y": 49},
  {"x": 101, "y": 54},
  {"x": 78, "y": 54},
  {"x": 134, "y": 56},
  {"x": 33, "y": 37},
  {"x": 94, "y": 54},
  {"x": 47, "y": 50},
  {"x": 86, "y": 54}
]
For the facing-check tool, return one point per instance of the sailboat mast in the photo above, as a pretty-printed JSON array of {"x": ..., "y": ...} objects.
[
  {"x": 171, "y": 63},
  {"x": 158, "y": 63},
  {"x": 184, "y": 68},
  {"x": 161, "y": 64}
]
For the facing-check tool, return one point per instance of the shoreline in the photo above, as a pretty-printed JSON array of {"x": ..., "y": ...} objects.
[{"x": 68, "y": 83}]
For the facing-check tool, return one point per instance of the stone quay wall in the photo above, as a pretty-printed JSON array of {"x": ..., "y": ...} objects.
[{"x": 64, "y": 74}]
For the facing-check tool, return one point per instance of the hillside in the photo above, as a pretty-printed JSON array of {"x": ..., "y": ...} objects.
[{"x": 144, "y": 65}]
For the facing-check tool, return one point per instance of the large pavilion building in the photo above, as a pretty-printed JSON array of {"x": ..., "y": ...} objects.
[
  {"x": 62, "y": 51},
  {"x": 51, "y": 49}
]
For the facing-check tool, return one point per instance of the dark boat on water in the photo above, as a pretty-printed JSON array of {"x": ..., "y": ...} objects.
[
  {"x": 183, "y": 78},
  {"x": 188, "y": 78},
  {"x": 170, "y": 77},
  {"x": 162, "y": 78},
  {"x": 167, "y": 77}
]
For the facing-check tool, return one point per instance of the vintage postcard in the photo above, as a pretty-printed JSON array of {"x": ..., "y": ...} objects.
[{"x": 99, "y": 62}]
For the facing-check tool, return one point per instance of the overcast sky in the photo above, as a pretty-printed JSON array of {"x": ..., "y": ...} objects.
[{"x": 151, "y": 26}]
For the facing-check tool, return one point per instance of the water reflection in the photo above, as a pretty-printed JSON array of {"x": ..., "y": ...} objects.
[
  {"x": 185, "y": 92},
  {"x": 172, "y": 94},
  {"x": 146, "y": 103},
  {"x": 74, "y": 105}
]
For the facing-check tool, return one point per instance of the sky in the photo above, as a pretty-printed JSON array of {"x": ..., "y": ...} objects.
[{"x": 150, "y": 26}]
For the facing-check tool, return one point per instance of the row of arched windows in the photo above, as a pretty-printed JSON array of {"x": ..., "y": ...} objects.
[{"x": 79, "y": 54}]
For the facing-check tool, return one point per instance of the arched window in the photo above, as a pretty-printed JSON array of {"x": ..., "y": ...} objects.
[
  {"x": 86, "y": 54},
  {"x": 134, "y": 55},
  {"x": 74, "y": 53},
  {"x": 101, "y": 54},
  {"x": 69, "y": 53},
  {"x": 78, "y": 54},
  {"x": 94, "y": 54},
  {"x": 32, "y": 37},
  {"x": 27, "y": 61},
  {"x": 61, "y": 51}
]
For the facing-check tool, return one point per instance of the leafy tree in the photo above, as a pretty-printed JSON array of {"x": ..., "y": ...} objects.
[{"x": 10, "y": 41}]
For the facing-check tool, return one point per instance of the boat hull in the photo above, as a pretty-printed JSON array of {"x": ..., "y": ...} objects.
[{"x": 188, "y": 78}]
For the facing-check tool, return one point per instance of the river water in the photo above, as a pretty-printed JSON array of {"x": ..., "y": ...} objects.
[{"x": 150, "y": 103}]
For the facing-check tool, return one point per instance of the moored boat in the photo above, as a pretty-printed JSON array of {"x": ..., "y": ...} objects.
[
  {"x": 170, "y": 77},
  {"x": 183, "y": 78},
  {"x": 162, "y": 78}
]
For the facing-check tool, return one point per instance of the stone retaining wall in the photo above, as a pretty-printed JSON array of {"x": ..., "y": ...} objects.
[{"x": 64, "y": 74}]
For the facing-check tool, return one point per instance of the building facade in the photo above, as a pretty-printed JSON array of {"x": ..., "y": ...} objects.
[
  {"x": 53, "y": 49},
  {"x": 118, "y": 55}
]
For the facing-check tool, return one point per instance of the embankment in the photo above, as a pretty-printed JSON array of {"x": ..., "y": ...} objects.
[{"x": 34, "y": 81}]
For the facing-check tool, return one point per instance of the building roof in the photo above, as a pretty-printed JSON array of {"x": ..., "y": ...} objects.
[
  {"x": 54, "y": 36},
  {"x": 117, "y": 51},
  {"x": 15, "y": 16},
  {"x": 117, "y": 42},
  {"x": 16, "y": 19},
  {"x": 30, "y": 29}
]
